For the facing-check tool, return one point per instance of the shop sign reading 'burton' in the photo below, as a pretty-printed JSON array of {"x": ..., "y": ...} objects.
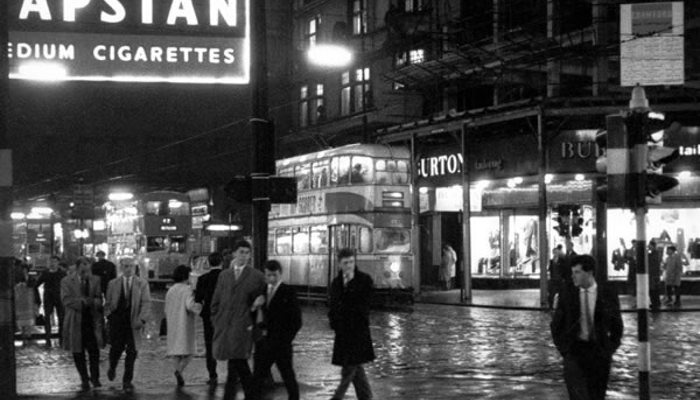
[{"x": 184, "y": 41}]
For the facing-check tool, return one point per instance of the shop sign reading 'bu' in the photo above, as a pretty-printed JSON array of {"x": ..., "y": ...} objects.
[{"x": 181, "y": 41}]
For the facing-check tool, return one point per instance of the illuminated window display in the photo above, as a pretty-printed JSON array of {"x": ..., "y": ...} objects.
[{"x": 679, "y": 227}]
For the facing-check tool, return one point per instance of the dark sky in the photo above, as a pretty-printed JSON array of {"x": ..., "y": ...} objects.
[{"x": 60, "y": 132}]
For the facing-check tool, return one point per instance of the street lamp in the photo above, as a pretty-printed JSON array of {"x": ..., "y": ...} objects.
[{"x": 329, "y": 55}]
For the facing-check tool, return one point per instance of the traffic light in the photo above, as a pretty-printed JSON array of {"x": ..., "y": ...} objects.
[
  {"x": 634, "y": 155},
  {"x": 569, "y": 220},
  {"x": 240, "y": 189}
]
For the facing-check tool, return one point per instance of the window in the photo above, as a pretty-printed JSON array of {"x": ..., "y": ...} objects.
[
  {"x": 392, "y": 172},
  {"x": 361, "y": 170},
  {"x": 283, "y": 244},
  {"x": 359, "y": 17},
  {"x": 301, "y": 241},
  {"x": 413, "y": 5},
  {"x": 415, "y": 56},
  {"x": 343, "y": 170},
  {"x": 303, "y": 174},
  {"x": 311, "y": 107},
  {"x": 392, "y": 240},
  {"x": 365, "y": 240},
  {"x": 356, "y": 94},
  {"x": 320, "y": 171},
  {"x": 319, "y": 240},
  {"x": 311, "y": 34}
]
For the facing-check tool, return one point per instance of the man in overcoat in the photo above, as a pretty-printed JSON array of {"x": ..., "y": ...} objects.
[
  {"x": 673, "y": 270},
  {"x": 231, "y": 315},
  {"x": 281, "y": 322},
  {"x": 81, "y": 295},
  {"x": 206, "y": 284},
  {"x": 127, "y": 306},
  {"x": 350, "y": 296},
  {"x": 587, "y": 329}
]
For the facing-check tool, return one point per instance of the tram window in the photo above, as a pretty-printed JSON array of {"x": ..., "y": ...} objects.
[
  {"x": 155, "y": 243},
  {"x": 365, "y": 240},
  {"x": 334, "y": 171},
  {"x": 303, "y": 174},
  {"x": 343, "y": 170},
  {"x": 353, "y": 237},
  {"x": 284, "y": 242},
  {"x": 177, "y": 244},
  {"x": 155, "y": 208},
  {"x": 361, "y": 170},
  {"x": 401, "y": 174},
  {"x": 392, "y": 240},
  {"x": 320, "y": 174},
  {"x": 177, "y": 207},
  {"x": 319, "y": 240},
  {"x": 301, "y": 242}
]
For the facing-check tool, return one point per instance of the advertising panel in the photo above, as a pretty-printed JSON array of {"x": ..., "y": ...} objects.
[{"x": 182, "y": 41}]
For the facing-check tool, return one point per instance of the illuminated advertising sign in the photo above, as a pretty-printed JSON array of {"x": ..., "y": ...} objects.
[{"x": 183, "y": 41}]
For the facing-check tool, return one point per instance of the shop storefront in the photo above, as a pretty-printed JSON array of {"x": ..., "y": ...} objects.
[{"x": 504, "y": 201}]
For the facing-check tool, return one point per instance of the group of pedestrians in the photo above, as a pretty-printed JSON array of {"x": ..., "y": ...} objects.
[{"x": 248, "y": 314}]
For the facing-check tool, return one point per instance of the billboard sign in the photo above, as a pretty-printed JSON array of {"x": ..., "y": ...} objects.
[
  {"x": 651, "y": 44},
  {"x": 182, "y": 41}
]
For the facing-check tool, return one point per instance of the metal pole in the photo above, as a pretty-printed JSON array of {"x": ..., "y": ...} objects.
[
  {"x": 642, "y": 305},
  {"x": 261, "y": 131},
  {"x": 542, "y": 217},
  {"x": 8, "y": 381},
  {"x": 415, "y": 220},
  {"x": 466, "y": 292}
]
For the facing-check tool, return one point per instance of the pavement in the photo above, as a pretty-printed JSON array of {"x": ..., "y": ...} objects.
[
  {"x": 529, "y": 299},
  {"x": 434, "y": 352}
]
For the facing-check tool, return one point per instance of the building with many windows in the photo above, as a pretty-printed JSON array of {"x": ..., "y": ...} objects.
[{"x": 506, "y": 97}]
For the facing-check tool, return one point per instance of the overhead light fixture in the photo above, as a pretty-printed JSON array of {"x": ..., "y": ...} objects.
[
  {"x": 580, "y": 177},
  {"x": 17, "y": 215},
  {"x": 172, "y": 203},
  {"x": 548, "y": 178},
  {"x": 223, "y": 227},
  {"x": 42, "y": 210},
  {"x": 120, "y": 196}
]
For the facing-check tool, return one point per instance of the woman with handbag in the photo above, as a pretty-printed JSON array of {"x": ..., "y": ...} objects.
[{"x": 180, "y": 312}]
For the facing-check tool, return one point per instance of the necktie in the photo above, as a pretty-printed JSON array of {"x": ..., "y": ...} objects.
[
  {"x": 269, "y": 293},
  {"x": 86, "y": 288},
  {"x": 587, "y": 308}
]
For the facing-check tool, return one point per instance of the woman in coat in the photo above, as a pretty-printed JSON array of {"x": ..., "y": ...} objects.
[
  {"x": 180, "y": 312},
  {"x": 81, "y": 295}
]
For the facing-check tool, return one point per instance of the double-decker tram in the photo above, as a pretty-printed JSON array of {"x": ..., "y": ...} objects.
[
  {"x": 355, "y": 196},
  {"x": 154, "y": 229}
]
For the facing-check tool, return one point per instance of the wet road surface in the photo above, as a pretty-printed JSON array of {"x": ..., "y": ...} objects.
[{"x": 433, "y": 352}]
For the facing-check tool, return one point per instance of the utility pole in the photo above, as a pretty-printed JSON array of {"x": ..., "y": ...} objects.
[
  {"x": 263, "y": 161},
  {"x": 8, "y": 382}
]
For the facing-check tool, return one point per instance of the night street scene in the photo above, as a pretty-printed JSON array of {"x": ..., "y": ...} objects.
[{"x": 349, "y": 199}]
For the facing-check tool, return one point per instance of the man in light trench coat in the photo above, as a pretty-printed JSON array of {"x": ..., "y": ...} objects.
[{"x": 232, "y": 318}]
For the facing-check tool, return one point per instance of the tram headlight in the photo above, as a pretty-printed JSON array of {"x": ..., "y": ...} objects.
[{"x": 395, "y": 267}]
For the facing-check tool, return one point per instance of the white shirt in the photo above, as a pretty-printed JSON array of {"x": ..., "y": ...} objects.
[
  {"x": 271, "y": 290},
  {"x": 586, "y": 330},
  {"x": 238, "y": 270}
]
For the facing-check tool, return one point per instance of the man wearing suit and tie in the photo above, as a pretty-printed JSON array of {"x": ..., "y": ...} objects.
[
  {"x": 127, "y": 307},
  {"x": 81, "y": 295},
  {"x": 203, "y": 295},
  {"x": 587, "y": 329},
  {"x": 236, "y": 291},
  {"x": 281, "y": 322}
]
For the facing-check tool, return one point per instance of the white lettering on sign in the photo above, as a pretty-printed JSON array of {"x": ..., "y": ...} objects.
[
  {"x": 584, "y": 150},
  {"x": 157, "y": 54},
  {"x": 689, "y": 150},
  {"x": 115, "y": 12},
  {"x": 44, "y": 51},
  {"x": 440, "y": 165}
]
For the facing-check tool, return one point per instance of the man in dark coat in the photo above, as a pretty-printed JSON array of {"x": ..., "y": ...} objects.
[
  {"x": 281, "y": 322},
  {"x": 587, "y": 329},
  {"x": 350, "y": 296},
  {"x": 203, "y": 294},
  {"x": 51, "y": 279},
  {"x": 104, "y": 269}
]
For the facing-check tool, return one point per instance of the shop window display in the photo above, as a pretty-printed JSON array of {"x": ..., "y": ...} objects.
[
  {"x": 486, "y": 246},
  {"x": 679, "y": 227},
  {"x": 523, "y": 248}
]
